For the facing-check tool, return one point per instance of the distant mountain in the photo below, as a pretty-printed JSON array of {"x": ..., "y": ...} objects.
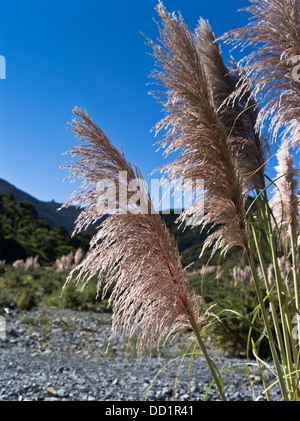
[{"x": 46, "y": 210}]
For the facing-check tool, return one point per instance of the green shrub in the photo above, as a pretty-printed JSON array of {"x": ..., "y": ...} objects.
[
  {"x": 26, "y": 299},
  {"x": 43, "y": 288}
]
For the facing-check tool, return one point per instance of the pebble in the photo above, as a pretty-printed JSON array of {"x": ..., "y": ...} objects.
[
  {"x": 61, "y": 393},
  {"x": 58, "y": 361}
]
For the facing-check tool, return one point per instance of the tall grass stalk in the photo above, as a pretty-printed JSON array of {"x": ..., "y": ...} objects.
[
  {"x": 210, "y": 364},
  {"x": 296, "y": 289}
]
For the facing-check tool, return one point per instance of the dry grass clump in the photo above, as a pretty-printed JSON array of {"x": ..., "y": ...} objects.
[
  {"x": 273, "y": 33},
  {"x": 284, "y": 202},
  {"x": 239, "y": 117},
  {"x": 30, "y": 262}
]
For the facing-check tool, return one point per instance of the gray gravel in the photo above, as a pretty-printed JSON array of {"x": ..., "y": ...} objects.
[{"x": 50, "y": 354}]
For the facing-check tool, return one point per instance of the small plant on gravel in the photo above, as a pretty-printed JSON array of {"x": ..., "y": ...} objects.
[{"x": 214, "y": 123}]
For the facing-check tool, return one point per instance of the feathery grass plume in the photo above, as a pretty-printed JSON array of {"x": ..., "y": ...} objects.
[
  {"x": 132, "y": 255},
  {"x": 271, "y": 274},
  {"x": 298, "y": 262},
  {"x": 284, "y": 265},
  {"x": 204, "y": 270},
  {"x": 78, "y": 257},
  {"x": 274, "y": 33},
  {"x": 19, "y": 264},
  {"x": 194, "y": 128},
  {"x": 31, "y": 262},
  {"x": 284, "y": 202},
  {"x": 240, "y": 117}
]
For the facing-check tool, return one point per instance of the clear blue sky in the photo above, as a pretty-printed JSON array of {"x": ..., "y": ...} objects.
[{"x": 86, "y": 53}]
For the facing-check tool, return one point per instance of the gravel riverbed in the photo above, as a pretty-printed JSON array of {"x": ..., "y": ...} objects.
[{"x": 51, "y": 354}]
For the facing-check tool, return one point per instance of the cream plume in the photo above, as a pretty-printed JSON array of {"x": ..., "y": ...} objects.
[
  {"x": 133, "y": 256},
  {"x": 239, "y": 117},
  {"x": 274, "y": 33}
]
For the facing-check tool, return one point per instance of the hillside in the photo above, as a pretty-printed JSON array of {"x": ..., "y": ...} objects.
[
  {"x": 46, "y": 210},
  {"x": 24, "y": 234}
]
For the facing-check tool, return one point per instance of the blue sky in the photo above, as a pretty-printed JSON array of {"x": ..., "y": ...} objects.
[{"x": 86, "y": 53}]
